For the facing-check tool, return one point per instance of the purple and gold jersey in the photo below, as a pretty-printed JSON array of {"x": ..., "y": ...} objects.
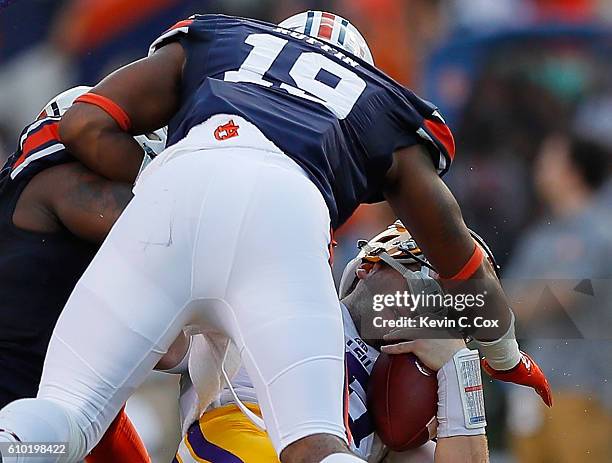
[
  {"x": 335, "y": 115},
  {"x": 360, "y": 358},
  {"x": 226, "y": 435}
]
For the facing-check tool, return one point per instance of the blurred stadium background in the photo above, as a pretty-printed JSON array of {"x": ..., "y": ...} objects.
[{"x": 526, "y": 86}]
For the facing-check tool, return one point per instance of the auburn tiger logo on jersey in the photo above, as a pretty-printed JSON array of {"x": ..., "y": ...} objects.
[{"x": 225, "y": 131}]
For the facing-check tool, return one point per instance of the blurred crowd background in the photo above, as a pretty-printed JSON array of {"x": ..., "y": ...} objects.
[{"x": 526, "y": 86}]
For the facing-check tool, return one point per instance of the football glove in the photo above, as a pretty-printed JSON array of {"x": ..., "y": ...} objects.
[{"x": 526, "y": 373}]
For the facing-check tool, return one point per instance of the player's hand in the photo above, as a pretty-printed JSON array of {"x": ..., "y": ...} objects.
[
  {"x": 526, "y": 373},
  {"x": 434, "y": 353}
]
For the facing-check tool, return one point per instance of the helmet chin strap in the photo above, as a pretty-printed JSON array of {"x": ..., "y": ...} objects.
[{"x": 418, "y": 282}]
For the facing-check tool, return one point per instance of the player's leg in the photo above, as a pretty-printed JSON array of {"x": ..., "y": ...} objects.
[
  {"x": 123, "y": 314},
  {"x": 278, "y": 301},
  {"x": 121, "y": 443}
]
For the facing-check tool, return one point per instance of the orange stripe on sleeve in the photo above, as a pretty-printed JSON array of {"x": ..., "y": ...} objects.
[
  {"x": 46, "y": 134},
  {"x": 184, "y": 23},
  {"x": 443, "y": 135}
]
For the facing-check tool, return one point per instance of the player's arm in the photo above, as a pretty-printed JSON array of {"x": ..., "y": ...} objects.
[
  {"x": 456, "y": 443},
  {"x": 146, "y": 92},
  {"x": 424, "y": 203},
  {"x": 85, "y": 203},
  {"x": 462, "y": 449},
  {"x": 459, "y": 449},
  {"x": 427, "y": 207}
]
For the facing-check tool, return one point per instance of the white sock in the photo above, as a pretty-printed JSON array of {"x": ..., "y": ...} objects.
[
  {"x": 341, "y": 458},
  {"x": 502, "y": 354}
]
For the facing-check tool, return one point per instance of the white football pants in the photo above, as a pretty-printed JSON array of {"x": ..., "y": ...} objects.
[{"x": 226, "y": 234}]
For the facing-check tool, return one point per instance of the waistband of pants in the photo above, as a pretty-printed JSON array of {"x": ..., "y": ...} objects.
[{"x": 233, "y": 133}]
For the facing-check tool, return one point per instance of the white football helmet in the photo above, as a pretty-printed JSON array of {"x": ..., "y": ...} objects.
[
  {"x": 331, "y": 28},
  {"x": 396, "y": 247},
  {"x": 152, "y": 143}
]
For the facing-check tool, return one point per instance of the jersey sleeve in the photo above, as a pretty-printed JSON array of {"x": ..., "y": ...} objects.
[
  {"x": 421, "y": 123},
  {"x": 39, "y": 148},
  {"x": 396, "y": 118},
  {"x": 176, "y": 33},
  {"x": 434, "y": 134},
  {"x": 195, "y": 35}
]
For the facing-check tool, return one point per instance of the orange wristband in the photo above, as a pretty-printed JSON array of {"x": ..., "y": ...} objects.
[
  {"x": 109, "y": 106},
  {"x": 470, "y": 266}
]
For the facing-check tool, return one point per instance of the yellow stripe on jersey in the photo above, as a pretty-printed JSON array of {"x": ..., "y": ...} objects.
[{"x": 226, "y": 435}]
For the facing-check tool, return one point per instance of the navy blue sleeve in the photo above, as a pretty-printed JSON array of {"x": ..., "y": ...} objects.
[
  {"x": 392, "y": 118},
  {"x": 407, "y": 120},
  {"x": 195, "y": 36}
]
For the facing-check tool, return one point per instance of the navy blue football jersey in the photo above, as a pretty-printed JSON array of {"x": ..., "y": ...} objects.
[
  {"x": 338, "y": 117},
  {"x": 37, "y": 270}
]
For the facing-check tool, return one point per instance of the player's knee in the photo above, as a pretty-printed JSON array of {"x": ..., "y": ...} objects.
[
  {"x": 43, "y": 420},
  {"x": 34, "y": 420},
  {"x": 317, "y": 448}
]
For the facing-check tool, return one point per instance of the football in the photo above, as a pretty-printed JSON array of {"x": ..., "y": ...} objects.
[{"x": 402, "y": 399}]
